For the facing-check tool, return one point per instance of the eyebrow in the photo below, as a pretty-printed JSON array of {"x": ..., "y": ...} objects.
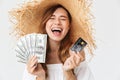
[
  {"x": 60, "y": 16},
  {"x": 64, "y": 16}
]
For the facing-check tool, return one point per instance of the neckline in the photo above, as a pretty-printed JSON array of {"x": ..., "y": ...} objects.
[{"x": 54, "y": 66}]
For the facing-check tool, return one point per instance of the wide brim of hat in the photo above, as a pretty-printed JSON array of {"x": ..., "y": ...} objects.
[{"x": 79, "y": 10}]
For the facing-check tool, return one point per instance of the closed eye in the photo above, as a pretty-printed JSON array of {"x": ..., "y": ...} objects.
[
  {"x": 63, "y": 18},
  {"x": 51, "y": 18}
]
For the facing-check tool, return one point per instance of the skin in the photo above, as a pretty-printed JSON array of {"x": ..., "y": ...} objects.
[{"x": 58, "y": 21}]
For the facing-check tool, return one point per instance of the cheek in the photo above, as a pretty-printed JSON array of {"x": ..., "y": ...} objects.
[
  {"x": 47, "y": 27},
  {"x": 67, "y": 29}
]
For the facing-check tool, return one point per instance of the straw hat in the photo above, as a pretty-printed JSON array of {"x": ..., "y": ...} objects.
[{"x": 28, "y": 17}]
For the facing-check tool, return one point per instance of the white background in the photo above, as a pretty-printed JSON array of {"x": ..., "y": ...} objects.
[{"x": 106, "y": 63}]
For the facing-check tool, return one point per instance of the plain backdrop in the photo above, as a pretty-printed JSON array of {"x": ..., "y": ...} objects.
[{"x": 105, "y": 65}]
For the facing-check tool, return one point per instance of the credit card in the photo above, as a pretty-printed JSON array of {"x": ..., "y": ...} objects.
[{"x": 79, "y": 45}]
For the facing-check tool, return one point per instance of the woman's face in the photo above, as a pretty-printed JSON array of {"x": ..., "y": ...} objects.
[{"x": 58, "y": 25}]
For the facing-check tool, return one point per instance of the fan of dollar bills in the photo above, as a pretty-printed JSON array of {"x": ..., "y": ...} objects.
[{"x": 31, "y": 44}]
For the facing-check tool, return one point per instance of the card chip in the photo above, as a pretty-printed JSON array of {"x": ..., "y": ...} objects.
[{"x": 79, "y": 45}]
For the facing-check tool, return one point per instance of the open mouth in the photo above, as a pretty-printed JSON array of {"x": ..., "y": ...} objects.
[{"x": 56, "y": 30}]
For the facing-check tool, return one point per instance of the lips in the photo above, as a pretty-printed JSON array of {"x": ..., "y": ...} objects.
[{"x": 56, "y": 31}]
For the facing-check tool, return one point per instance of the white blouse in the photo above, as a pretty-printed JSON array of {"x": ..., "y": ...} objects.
[{"x": 55, "y": 72}]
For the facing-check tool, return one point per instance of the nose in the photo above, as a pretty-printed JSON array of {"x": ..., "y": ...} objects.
[{"x": 57, "y": 21}]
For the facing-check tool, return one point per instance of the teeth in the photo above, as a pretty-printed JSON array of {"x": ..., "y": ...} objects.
[{"x": 56, "y": 29}]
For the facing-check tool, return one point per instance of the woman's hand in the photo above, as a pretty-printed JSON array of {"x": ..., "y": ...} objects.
[
  {"x": 73, "y": 61},
  {"x": 35, "y": 68}
]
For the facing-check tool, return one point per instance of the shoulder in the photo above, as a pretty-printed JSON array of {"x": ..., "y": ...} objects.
[
  {"x": 83, "y": 72},
  {"x": 81, "y": 67}
]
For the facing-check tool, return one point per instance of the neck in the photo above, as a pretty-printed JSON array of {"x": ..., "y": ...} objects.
[{"x": 54, "y": 45}]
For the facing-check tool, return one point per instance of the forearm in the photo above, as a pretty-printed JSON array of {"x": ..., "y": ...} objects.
[
  {"x": 39, "y": 78},
  {"x": 69, "y": 75}
]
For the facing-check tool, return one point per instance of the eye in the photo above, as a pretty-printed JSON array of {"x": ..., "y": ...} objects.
[
  {"x": 52, "y": 18},
  {"x": 63, "y": 18}
]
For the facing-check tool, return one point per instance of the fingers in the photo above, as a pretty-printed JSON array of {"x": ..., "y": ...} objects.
[
  {"x": 35, "y": 68},
  {"x": 79, "y": 55},
  {"x": 74, "y": 60},
  {"x": 32, "y": 61},
  {"x": 67, "y": 65},
  {"x": 32, "y": 64},
  {"x": 71, "y": 63}
]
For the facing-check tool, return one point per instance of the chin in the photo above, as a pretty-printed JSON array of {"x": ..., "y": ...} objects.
[{"x": 57, "y": 39}]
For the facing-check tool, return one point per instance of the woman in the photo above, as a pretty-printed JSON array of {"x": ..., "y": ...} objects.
[{"x": 60, "y": 22}]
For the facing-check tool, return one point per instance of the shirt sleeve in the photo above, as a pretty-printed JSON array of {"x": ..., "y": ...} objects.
[
  {"x": 28, "y": 76},
  {"x": 83, "y": 72}
]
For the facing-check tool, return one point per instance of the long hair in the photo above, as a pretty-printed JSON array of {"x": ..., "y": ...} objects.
[
  {"x": 66, "y": 42},
  {"x": 27, "y": 19},
  {"x": 32, "y": 17}
]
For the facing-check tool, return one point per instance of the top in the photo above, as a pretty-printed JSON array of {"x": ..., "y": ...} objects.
[{"x": 55, "y": 72}]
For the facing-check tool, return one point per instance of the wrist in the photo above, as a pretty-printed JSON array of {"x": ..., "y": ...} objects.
[
  {"x": 69, "y": 75},
  {"x": 40, "y": 78}
]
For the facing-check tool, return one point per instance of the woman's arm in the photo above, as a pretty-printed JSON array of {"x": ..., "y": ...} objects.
[
  {"x": 71, "y": 63},
  {"x": 83, "y": 72},
  {"x": 69, "y": 75},
  {"x": 34, "y": 70}
]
